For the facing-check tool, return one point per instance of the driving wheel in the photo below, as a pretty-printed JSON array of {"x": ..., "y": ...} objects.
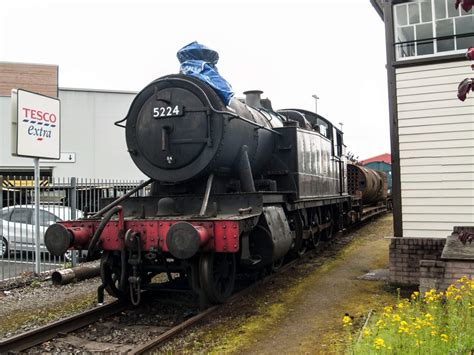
[
  {"x": 110, "y": 273},
  {"x": 296, "y": 225},
  {"x": 316, "y": 236},
  {"x": 329, "y": 231},
  {"x": 217, "y": 275}
]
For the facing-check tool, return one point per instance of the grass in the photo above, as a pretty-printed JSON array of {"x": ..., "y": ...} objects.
[{"x": 434, "y": 323}]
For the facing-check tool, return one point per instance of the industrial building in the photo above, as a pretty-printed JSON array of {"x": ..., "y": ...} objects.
[
  {"x": 91, "y": 145},
  {"x": 432, "y": 132}
]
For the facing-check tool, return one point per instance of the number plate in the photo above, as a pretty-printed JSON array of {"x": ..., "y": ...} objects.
[{"x": 168, "y": 111}]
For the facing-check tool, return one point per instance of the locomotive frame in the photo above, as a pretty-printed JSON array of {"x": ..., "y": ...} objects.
[{"x": 255, "y": 186}]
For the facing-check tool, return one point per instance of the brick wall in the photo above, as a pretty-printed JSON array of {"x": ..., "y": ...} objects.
[
  {"x": 440, "y": 274},
  {"x": 40, "y": 78},
  {"x": 405, "y": 255}
]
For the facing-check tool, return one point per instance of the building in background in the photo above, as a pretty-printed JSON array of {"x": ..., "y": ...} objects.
[
  {"x": 91, "y": 145},
  {"x": 432, "y": 132},
  {"x": 382, "y": 162}
]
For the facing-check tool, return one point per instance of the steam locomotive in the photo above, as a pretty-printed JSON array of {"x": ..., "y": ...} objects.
[{"x": 234, "y": 187}]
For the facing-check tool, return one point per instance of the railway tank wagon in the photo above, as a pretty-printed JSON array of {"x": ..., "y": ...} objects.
[
  {"x": 369, "y": 190},
  {"x": 235, "y": 186}
]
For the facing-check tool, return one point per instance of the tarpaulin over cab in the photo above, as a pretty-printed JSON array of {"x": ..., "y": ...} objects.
[{"x": 200, "y": 61}]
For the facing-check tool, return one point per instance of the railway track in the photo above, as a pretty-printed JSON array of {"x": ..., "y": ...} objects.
[
  {"x": 66, "y": 327},
  {"x": 39, "y": 335}
]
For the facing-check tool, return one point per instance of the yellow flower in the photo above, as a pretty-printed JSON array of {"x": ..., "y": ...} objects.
[
  {"x": 429, "y": 317},
  {"x": 347, "y": 321},
  {"x": 388, "y": 309},
  {"x": 396, "y": 318},
  {"x": 403, "y": 327},
  {"x": 457, "y": 297},
  {"x": 379, "y": 343},
  {"x": 433, "y": 333},
  {"x": 366, "y": 332},
  {"x": 431, "y": 292},
  {"x": 430, "y": 299},
  {"x": 415, "y": 295},
  {"x": 381, "y": 324},
  {"x": 444, "y": 338}
]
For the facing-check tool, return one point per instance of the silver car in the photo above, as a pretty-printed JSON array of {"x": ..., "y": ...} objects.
[{"x": 17, "y": 230}]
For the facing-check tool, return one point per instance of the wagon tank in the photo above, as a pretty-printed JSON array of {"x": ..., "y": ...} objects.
[{"x": 369, "y": 184}]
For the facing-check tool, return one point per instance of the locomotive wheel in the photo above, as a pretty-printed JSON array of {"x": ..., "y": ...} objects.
[
  {"x": 110, "y": 273},
  {"x": 217, "y": 275},
  {"x": 328, "y": 232},
  {"x": 277, "y": 264},
  {"x": 296, "y": 225},
  {"x": 316, "y": 237}
]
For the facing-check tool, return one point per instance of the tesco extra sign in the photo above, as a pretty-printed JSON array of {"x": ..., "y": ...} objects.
[{"x": 36, "y": 125}]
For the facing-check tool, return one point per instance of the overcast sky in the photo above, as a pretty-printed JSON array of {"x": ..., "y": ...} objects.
[{"x": 288, "y": 49}]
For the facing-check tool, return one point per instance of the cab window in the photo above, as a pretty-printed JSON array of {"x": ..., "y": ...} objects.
[{"x": 339, "y": 143}]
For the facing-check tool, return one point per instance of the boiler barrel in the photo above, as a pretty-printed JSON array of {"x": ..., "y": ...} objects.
[{"x": 178, "y": 129}]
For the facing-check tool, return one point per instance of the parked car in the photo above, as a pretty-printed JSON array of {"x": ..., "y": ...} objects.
[{"x": 17, "y": 229}]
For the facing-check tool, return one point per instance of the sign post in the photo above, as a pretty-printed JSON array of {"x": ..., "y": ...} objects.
[
  {"x": 37, "y": 220},
  {"x": 36, "y": 133}
]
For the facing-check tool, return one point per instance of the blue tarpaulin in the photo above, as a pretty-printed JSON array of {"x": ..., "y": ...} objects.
[{"x": 200, "y": 61}]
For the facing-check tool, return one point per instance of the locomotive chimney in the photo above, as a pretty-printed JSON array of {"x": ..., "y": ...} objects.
[{"x": 252, "y": 98}]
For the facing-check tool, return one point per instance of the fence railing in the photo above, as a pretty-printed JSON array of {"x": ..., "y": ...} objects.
[{"x": 60, "y": 199}]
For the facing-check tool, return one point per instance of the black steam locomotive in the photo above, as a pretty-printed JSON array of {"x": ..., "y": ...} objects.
[{"x": 233, "y": 187}]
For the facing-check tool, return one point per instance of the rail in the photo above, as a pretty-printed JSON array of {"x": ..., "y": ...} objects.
[{"x": 40, "y": 335}]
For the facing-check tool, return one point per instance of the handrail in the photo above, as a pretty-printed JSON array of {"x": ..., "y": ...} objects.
[
  {"x": 462, "y": 35},
  {"x": 213, "y": 109}
]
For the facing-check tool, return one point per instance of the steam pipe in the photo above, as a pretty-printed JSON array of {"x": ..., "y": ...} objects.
[
  {"x": 122, "y": 198},
  {"x": 100, "y": 229}
]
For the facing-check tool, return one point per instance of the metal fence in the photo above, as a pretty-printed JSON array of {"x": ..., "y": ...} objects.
[{"x": 60, "y": 199}]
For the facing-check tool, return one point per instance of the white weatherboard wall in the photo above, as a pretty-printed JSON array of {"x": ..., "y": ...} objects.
[{"x": 436, "y": 133}]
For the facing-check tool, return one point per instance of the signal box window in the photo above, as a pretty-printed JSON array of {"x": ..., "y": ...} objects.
[{"x": 431, "y": 27}]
